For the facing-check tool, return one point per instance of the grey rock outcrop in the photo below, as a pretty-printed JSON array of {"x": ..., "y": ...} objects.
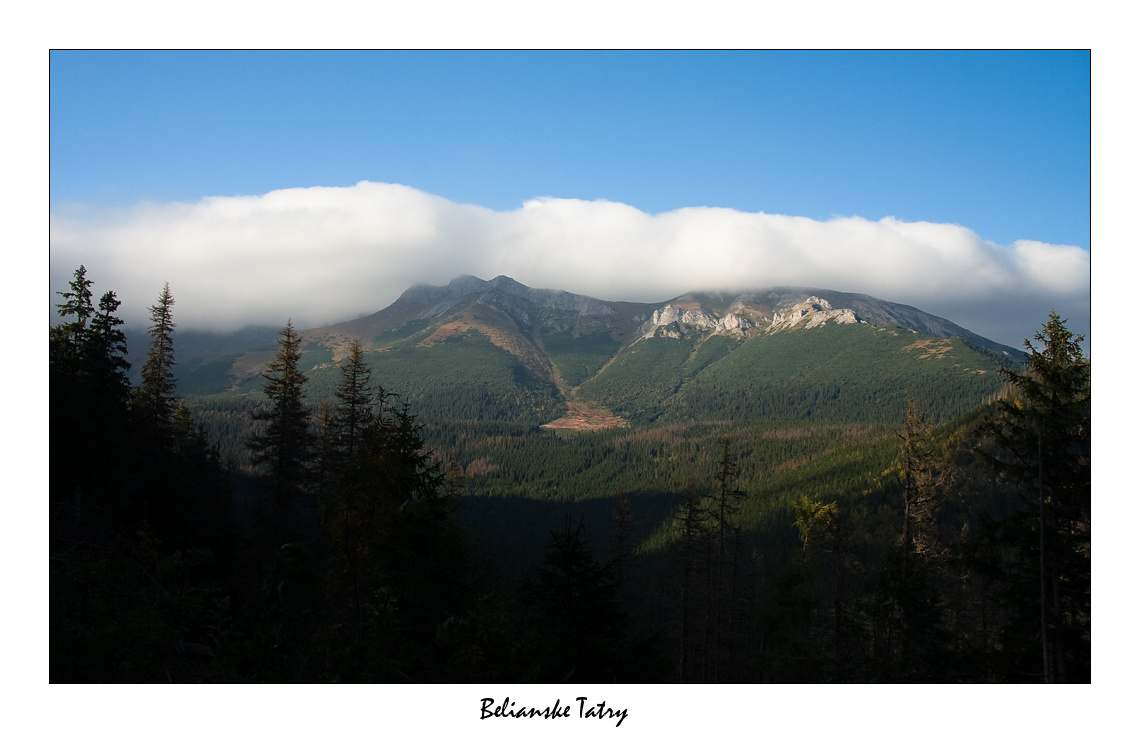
[{"x": 812, "y": 312}]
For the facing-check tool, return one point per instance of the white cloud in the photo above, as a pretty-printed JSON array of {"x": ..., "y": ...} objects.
[{"x": 319, "y": 255}]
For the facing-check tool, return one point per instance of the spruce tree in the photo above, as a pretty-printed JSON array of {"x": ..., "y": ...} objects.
[
  {"x": 723, "y": 581},
  {"x": 77, "y": 304},
  {"x": 107, "y": 348},
  {"x": 109, "y": 389},
  {"x": 282, "y": 450},
  {"x": 924, "y": 480},
  {"x": 1043, "y": 433},
  {"x": 155, "y": 396},
  {"x": 912, "y": 643},
  {"x": 398, "y": 562},
  {"x": 354, "y": 399}
]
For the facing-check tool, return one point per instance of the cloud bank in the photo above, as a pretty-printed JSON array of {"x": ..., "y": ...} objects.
[{"x": 322, "y": 255}]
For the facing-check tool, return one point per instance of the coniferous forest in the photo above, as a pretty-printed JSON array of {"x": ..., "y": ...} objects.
[{"x": 332, "y": 535}]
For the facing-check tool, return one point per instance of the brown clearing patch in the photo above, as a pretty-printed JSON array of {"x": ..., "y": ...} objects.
[
  {"x": 937, "y": 349},
  {"x": 791, "y": 465},
  {"x": 480, "y": 467},
  {"x": 446, "y": 331},
  {"x": 581, "y": 416}
]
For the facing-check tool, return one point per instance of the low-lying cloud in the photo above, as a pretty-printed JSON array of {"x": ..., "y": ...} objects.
[{"x": 322, "y": 255}]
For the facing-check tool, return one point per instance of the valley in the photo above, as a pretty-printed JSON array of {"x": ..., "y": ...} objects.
[
  {"x": 544, "y": 385},
  {"x": 563, "y": 401}
]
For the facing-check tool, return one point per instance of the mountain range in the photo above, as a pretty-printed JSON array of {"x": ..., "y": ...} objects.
[{"x": 497, "y": 350}]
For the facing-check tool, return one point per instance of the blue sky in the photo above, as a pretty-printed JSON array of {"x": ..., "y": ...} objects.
[{"x": 997, "y": 143}]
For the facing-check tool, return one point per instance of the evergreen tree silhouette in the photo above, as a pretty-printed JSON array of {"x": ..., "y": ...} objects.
[{"x": 282, "y": 450}]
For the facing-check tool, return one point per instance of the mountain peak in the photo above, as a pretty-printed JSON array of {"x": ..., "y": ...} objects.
[
  {"x": 742, "y": 312},
  {"x": 465, "y": 281},
  {"x": 470, "y": 281},
  {"x": 464, "y": 285}
]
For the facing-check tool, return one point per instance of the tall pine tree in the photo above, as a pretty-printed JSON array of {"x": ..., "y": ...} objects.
[
  {"x": 1044, "y": 436},
  {"x": 110, "y": 389},
  {"x": 354, "y": 399},
  {"x": 282, "y": 450},
  {"x": 77, "y": 305},
  {"x": 107, "y": 350},
  {"x": 155, "y": 396}
]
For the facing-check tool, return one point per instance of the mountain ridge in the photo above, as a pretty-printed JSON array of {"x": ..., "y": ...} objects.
[
  {"x": 499, "y": 350},
  {"x": 426, "y": 301}
]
